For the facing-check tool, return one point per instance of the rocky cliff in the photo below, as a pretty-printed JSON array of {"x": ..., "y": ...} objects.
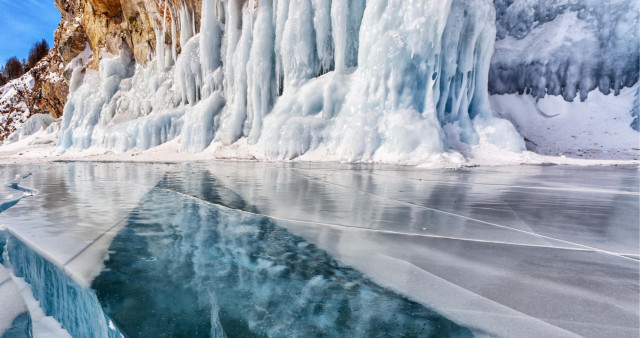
[
  {"x": 110, "y": 25},
  {"x": 42, "y": 90},
  {"x": 103, "y": 26}
]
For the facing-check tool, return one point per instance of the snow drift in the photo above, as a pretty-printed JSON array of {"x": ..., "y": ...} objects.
[{"x": 384, "y": 81}]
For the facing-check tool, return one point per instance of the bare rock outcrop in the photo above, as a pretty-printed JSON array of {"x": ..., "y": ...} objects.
[
  {"x": 111, "y": 24},
  {"x": 104, "y": 26}
]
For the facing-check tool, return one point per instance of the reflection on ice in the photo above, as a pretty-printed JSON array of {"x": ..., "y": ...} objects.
[
  {"x": 476, "y": 234},
  {"x": 184, "y": 266},
  {"x": 295, "y": 249}
]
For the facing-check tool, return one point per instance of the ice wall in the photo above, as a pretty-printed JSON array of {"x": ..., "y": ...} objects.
[
  {"x": 352, "y": 80},
  {"x": 74, "y": 306},
  {"x": 565, "y": 47}
]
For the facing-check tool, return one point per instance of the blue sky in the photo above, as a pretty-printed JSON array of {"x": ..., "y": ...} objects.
[{"x": 23, "y": 23}]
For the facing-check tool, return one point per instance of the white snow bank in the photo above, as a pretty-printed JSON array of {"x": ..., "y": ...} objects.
[{"x": 599, "y": 128}]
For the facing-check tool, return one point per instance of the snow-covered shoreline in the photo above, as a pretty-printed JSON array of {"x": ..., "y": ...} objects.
[{"x": 40, "y": 148}]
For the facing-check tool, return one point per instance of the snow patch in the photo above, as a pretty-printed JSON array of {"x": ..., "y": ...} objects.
[{"x": 598, "y": 128}]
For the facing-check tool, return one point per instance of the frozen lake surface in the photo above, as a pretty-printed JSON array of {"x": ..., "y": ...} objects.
[{"x": 276, "y": 249}]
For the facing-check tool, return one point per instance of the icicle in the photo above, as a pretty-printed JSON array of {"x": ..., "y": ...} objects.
[
  {"x": 282, "y": 14},
  {"x": 193, "y": 23},
  {"x": 186, "y": 25},
  {"x": 260, "y": 72},
  {"x": 346, "y": 18},
  {"x": 298, "y": 50},
  {"x": 174, "y": 35},
  {"x": 235, "y": 113},
  {"x": 324, "y": 41},
  {"x": 232, "y": 35},
  {"x": 339, "y": 13},
  {"x": 160, "y": 43},
  {"x": 210, "y": 38}
]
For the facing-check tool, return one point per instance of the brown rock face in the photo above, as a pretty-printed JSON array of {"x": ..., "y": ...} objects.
[
  {"x": 111, "y": 24},
  {"x": 53, "y": 92},
  {"x": 71, "y": 43},
  {"x": 108, "y": 7},
  {"x": 107, "y": 26},
  {"x": 50, "y": 89}
]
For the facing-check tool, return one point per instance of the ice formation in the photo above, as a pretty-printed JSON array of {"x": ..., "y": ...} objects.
[
  {"x": 565, "y": 47},
  {"x": 15, "y": 320},
  {"x": 74, "y": 306},
  {"x": 385, "y": 81}
]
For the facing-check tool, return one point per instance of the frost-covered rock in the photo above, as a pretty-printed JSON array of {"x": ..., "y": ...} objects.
[
  {"x": 13, "y": 106},
  {"x": 44, "y": 88},
  {"x": 565, "y": 47}
]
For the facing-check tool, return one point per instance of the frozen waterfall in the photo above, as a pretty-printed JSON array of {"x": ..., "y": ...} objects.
[
  {"x": 349, "y": 80},
  {"x": 567, "y": 48}
]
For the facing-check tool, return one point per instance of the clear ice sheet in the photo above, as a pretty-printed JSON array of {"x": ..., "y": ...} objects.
[
  {"x": 187, "y": 266},
  {"x": 506, "y": 251},
  {"x": 80, "y": 208}
]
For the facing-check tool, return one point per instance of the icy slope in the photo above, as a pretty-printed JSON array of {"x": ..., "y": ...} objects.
[{"x": 385, "y": 81}]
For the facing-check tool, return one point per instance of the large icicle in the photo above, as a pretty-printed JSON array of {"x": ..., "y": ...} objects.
[
  {"x": 260, "y": 71},
  {"x": 238, "y": 49},
  {"x": 160, "y": 40},
  {"x": 324, "y": 38},
  {"x": 298, "y": 52},
  {"x": 280, "y": 18},
  {"x": 186, "y": 25},
  {"x": 340, "y": 23},
  {"x": 211, "y": 35},
  {"x": 346, "y": 18}
]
